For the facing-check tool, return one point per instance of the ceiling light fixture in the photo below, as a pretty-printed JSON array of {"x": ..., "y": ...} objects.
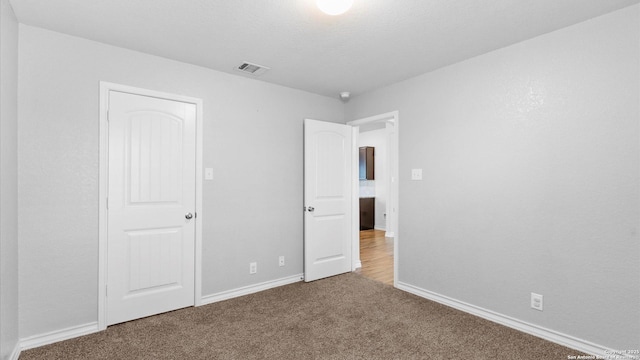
[{"x": 334, "y": 7}]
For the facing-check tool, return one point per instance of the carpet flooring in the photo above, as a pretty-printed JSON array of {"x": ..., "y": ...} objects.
[{"x": 343, "y": 317}]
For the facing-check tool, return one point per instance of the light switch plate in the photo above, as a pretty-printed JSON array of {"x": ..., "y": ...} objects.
[
  {"x": 416, "y": 174},
  {"x": 208, "y": 173}
]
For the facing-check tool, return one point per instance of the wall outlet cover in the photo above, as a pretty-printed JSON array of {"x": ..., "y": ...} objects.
[{"x": 537, "y": 301}]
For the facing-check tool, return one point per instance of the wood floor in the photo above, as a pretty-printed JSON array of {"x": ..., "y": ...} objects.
[{"x": 376, "y": 255}]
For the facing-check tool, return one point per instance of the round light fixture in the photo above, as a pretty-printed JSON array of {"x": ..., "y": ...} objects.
[{"x": 334, "y": 7}]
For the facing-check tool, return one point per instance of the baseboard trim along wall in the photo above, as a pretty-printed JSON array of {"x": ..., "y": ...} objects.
[
  {"x": 58, "y": 335},
  {"x": 535, "y": 330},
  {"x": 16, "y": 352},
  {"x": 250, "y": 289},
  {"x": 86, "y": 329}
]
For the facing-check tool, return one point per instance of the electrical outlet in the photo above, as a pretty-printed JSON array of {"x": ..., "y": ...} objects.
[
  {"x": 253, "y": 268},
  {"x": 416, "y": 174},
  {"x": 281, "y": 261},
  {"x": 536, "y": 301}
]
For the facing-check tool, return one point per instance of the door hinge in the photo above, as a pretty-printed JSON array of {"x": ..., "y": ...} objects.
[{"x": 195, "y": 214}]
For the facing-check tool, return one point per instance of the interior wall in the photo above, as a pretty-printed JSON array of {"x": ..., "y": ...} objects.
[
  {"x": 530, "y": 157},
  {"x": 252, "y": 140},
  {"x": 8, "y": 181},
  {"x": 377, "y": 139}
]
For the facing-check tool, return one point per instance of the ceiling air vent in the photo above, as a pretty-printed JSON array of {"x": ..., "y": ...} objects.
[{"x": 253, "y": 69}]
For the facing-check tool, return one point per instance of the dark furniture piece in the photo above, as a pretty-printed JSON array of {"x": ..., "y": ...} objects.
[
  {"x": 366, "y": 163},
  {"x": 367, "y": 213}
]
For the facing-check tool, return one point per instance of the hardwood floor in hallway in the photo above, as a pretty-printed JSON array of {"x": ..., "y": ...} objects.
[{"x": 376, "y": 255}]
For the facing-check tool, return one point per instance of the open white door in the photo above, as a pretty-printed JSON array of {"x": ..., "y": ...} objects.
[
  {"x": 327, "y": 198},
  {"x": 151, "y": 206}
]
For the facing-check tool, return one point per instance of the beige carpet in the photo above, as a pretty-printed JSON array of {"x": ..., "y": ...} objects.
[{"x": 344, "y": 317}]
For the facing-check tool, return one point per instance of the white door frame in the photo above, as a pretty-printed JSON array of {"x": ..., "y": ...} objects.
[
  {"x": 393, "y": 185},
  {"x": 105, "y": 87}
]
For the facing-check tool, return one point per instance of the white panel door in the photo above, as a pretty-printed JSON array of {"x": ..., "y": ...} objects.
[
  {"x": 327, "y": 196},
  {"x": 151, "y": 205}
]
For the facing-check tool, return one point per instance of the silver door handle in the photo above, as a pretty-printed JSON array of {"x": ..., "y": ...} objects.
[
  {"x": 310, "y": 208},
  {"x": 188, "y": 216}
]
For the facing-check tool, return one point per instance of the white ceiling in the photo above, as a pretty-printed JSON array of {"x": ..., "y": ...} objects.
[{"x": 376, "y": 43}]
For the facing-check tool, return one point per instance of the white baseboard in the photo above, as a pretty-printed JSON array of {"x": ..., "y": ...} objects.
[
  {"x": 246, "y": 290},
  {"x": 535, "y": 330},
  {"x": 58, "y": 335},
  {"x": 381, "y": 228},
  {"x": 389, "y": 234},
  {"x": 16, "y": 352},
  {"x": 76, "y": 331},
  {"x": 357, "y": 265}
]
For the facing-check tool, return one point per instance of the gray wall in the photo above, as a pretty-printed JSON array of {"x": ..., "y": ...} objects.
[
  {"x": 530, "y": 157},
  {"x": 252, "y": 140},
  {"x": 8, "y": 180}
]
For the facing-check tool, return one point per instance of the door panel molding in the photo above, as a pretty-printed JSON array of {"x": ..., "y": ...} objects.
[{"x": 105, "y": 88}]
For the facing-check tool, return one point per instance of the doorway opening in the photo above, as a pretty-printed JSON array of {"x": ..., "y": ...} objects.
[{"x": 375, "y": 189}]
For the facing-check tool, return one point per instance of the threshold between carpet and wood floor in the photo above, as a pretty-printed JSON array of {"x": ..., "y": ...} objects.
[{"x": 343, "y": 317}]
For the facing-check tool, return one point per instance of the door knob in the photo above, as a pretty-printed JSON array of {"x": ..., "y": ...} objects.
[
  {"x": 311, "y": 208},
  {"x": 188, "y": 216}
]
